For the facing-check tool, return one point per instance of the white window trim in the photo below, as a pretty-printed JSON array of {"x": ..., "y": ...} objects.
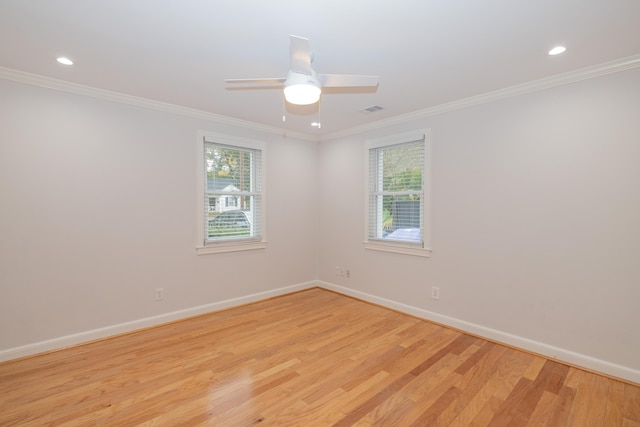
[
  {"x": 396, "y": 247},
  {"x": 230, "y": 245}
]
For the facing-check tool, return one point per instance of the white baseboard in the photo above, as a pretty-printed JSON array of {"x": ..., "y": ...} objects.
[
  {"x": 576, "y": 359},
  {"x": 552, "y": 352},
  {"x": 95, "y": 334}
]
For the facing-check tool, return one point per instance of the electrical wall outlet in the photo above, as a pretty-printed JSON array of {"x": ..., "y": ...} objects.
[
  {"x": 159, "y": 294},
  {"x": 435, "y": 292},
  {"x": 347, "y": 273}
]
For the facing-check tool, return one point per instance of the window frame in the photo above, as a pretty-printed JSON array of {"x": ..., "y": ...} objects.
[
  {"x": 422, "y": 249},
  {"x": 232, "y": 245}
]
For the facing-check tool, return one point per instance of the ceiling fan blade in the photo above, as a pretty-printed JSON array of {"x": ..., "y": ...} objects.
[
  {"x": 345, "y": 80},
  {"x": 300, "y": 55},
  {"x": 264, "y": 80}
]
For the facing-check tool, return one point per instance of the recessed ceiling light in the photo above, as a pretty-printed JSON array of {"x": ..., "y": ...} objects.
[
  {"x": 557, "y": 50},
  {"x": 65, "y": 61},
  {"x": 316, "y": 124}
]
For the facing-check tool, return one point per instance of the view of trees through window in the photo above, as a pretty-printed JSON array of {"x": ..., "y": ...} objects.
[
  {"x": 396, "y": 191},
  {"x": 230, "y": 191}
]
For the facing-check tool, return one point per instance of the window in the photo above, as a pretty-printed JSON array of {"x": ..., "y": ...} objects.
[
  {"x": 213, "y": 204},
  {"x": 231, "y": 200},
  {"x": 397, "y": 196}
]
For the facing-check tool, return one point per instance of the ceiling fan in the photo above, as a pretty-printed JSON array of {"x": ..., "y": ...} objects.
[{"x": 303, "y": 85}]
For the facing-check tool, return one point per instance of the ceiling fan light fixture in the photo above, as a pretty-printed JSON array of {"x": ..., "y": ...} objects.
[
  {"x": 302, "y": 94},
  {"x": 303, "y": 85}
]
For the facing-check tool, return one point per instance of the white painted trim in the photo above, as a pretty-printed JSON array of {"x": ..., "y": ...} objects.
[
  {"x": 231, "y": 140},
  {"x": 403, "y": 138},
  {"x": 543, "y": 349},
  {"x": 508, "y": 92},
  {"x": 234, "y": 141},
  {"x": 236, "y": 247},
  {"x": 552, "y": 352},
  {"x": 109, "y": 331},
  {"x": 534, "y": 86},
  {"x": 397, "y": 247},
  {"x": 78, "y": 89}
]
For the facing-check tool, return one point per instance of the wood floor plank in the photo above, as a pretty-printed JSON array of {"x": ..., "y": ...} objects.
[
  {"x": 404, "y": 395},
  {"x": 615, "y": 401},
  {"x": 579, "y": 409},
  {"x": 544, "y": 410},
  {"x": 599, "y": 398},
  {"x": 631, "y": 407},
  {"x": 392, "y": 414},
  {"x": 431, "y": 414},
  {"x": 487, "y": 413},
  {"x": 311, "y": 358},
  {"x": 509, "y": 413},
  {"x": 510, "y": 372},
  {"x": 524, "y": 399},
  {"x": 474, "y": 380},
  {"x": 561, "y": 411},
  {"x": 534, "y": 368},
  {"x": 432, "y": 383},
  {"x": 477, "y": 403}
]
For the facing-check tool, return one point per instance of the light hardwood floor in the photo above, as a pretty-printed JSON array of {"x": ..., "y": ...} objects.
[{"x": 313, "y": 358}]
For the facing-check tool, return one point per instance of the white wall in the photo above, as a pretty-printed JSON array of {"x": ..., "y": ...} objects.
[
  {"x": 535, "y": 207},
  {"x": 535, "y": 217},
  {"x": 98, "y": 208}
]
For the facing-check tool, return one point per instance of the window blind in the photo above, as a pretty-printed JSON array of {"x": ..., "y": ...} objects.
[
  {"x": 233, "y": 193},
  {"x": 396, "y": 195}
]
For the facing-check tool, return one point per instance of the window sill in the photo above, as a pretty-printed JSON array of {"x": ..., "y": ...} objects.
[
  {"x": 398, "y": 249},
  {"x": 235, "y": 247}
]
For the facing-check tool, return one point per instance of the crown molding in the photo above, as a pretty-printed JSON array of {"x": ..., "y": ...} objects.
[
  {"x": 78, "y": 89},
  {"x": 512, "y": 91},
  {"x": 508, "y": 92}
]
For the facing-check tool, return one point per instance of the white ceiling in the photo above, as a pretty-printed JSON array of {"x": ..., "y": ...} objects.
[{"x": 426, "y": 52}]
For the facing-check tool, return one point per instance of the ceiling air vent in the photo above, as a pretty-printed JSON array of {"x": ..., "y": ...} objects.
[{"x": 372, "y": 109}]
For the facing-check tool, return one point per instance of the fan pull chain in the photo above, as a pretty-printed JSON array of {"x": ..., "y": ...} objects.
[
  {"x": 284, "y": 108},
  {"x": 319, "y": 122}
]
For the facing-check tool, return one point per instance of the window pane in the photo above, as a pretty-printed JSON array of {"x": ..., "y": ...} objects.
[
  {"x": 228, "y": 169},
  {"x": 396, "y": 217},
  {"x": 401, "y": 217},
  {"x": 396, "y": 192},
  {"x": 401, "y": 167},
  {"x": 233, "y": 222},
  {"x": 233, "y": 193}
]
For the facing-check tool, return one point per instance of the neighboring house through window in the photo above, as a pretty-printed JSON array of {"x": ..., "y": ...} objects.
[
  {"x": 231, "y": 201},
  {"x": 213, "y": 204},
  {"x": 397, "y": 194},
  {"x": 230, "y": 185}
]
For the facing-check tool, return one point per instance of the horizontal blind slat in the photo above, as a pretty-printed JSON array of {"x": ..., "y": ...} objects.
[
  {"x": 233, "y": 193},
  {"x": 396, "y": 205}
]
